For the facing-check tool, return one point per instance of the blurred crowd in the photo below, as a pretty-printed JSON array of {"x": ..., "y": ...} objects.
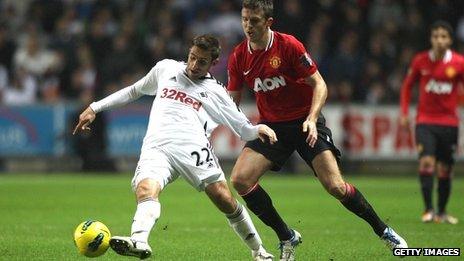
[{"x": 81, "y": 50}]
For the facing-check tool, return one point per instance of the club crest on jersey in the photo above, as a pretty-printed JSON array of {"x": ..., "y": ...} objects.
[
  {"x": 269, "y": 84},
  {"x": 181, "y": 97},
  {"x": 450, "y": 71},
  {"x": 275, "y": 62}
]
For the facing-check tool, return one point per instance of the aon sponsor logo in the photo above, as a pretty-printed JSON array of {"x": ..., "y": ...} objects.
[
  {"x": 268, "y": 84},
  {"x": 439, "y": 87}
]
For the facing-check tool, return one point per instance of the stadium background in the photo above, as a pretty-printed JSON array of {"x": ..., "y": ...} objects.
[{"x": 58, "y": 56}]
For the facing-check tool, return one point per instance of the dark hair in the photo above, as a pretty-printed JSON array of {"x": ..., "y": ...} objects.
[
  {"x": 209, "y": 43},
  {"x": 266, "y": 5},
  {"x": 443, "y": 25}
]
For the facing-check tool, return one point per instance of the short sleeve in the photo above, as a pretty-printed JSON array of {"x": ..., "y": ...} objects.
[
  {"x": 300, "y": 59},
  {"x": 234, "y": 77}
]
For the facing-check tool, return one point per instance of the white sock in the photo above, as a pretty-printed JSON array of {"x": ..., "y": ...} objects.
[
  {"x": 148, "y": 211},
  {"x": 241, "y": 223}
]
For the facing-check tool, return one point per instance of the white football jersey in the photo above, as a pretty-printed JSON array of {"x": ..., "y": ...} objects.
[{"x": 184, "y": 112}]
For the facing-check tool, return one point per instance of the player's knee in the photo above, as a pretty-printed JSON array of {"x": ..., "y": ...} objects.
[
  {"x": 146, "y": 190},
  {"x": 444, "y": 172},
  {"x": 427, "y": 164},
  {"x": 240, "y": 181},
  {"x": 337, "y": 190}
]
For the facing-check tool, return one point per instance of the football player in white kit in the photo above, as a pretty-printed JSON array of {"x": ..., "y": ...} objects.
[{"x": 189, "y": 104}]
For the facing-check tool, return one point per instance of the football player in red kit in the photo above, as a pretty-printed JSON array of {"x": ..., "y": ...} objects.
[
  {"x": 289, "y": 93},
  {"x": 439, "y": 72}
]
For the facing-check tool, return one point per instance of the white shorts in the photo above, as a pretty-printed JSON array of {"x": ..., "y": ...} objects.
[{"x": 196, "y": 164}]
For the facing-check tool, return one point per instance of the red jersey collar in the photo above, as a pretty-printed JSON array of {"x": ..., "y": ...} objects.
[{"x": 269, "y": 43}]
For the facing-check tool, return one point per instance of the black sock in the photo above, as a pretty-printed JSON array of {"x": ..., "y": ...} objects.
[
  {"x": 426, "y": 181},
  {"x": 259, "y": 202},
  {"x": 356, "y": 203},
  {"x": 444, "y": 190}
]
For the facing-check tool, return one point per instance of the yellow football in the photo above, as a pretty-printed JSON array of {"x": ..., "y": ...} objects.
[{"x": 92, "y": 238}]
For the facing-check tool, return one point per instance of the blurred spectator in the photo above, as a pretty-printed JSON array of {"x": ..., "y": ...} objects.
[
  {"x": 227, "y": 23},
  {"x": 414, "y": 30},
  {"x": 34, "y": 58},
  {"x": 347, "y": 60},
  {"x": 383, "y": 11},
  {"x": 201, "y": 24},
  {"x": 460, "y": 29},
  {"x": 70, "y": 47},
  {"x": 376, "y": 93},
  {"x": 345, "y": 92},
  {"x": 84, "y": 77},
  {"x": 315, "y": 41},
  {"x": 122, "y": 58},
  {"x": 13, "y": 13},
  {"x": 292, "y": 19},
  {"x": 7, "y": 48},
  {"x": 21, "y": 90},
  {"x": 90, "y": 146}
]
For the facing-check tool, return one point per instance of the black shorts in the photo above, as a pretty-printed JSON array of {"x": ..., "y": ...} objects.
[
  {"x": 438, "y": 141},
  {"x": 290, "y": 137}
]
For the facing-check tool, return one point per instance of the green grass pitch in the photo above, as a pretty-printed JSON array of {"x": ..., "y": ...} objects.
[{"x": 38, "y": 214}]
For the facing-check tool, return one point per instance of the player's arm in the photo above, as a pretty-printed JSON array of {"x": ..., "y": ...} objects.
[
  {"x": 319, "y": 96},
  {"x": 461, "y": 86},
  {"x": 305, "y": 68},
  {"x": 146, "y": 85},
  {"x": 405, "y": 94},
  {"x": 223, "y": 110}
]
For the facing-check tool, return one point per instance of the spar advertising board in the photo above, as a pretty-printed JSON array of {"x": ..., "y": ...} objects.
[{"x": 361, "y": 132}]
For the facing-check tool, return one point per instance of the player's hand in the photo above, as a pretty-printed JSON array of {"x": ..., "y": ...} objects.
[
  {"x": 264, "y": 131},
  {"x": 404, "y": 122},
  {"x": 309, "y": 126},
  {"x": 86, "y": 117}
]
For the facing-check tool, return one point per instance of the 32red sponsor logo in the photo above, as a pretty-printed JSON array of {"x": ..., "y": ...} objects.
[{"x": 180, "y": 96}]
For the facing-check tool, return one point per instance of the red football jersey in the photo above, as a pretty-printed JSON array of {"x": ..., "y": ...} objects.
[
  {"x": 438, "y": 83},
  {"x": 276, "y": 75}
]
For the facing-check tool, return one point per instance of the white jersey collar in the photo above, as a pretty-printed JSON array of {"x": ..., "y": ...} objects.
[
  {"x": 207, "y": 76},
  {"x": 269, "y": 43},
  {"x": 446, "y": 58}
]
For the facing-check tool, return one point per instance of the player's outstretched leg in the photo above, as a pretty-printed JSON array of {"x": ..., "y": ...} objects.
[
  {"x": 426, "y": 170},
  {"x": 148, "y": 211},
  {"x": 444, "y": 191},
  {"x": 238, "y": 218},
  {"x": 329, "y": 174},
  {"x": 354, "y": 201},
  {"x": 250, "y": 166},
  {"x": 261, "y": 204}
]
